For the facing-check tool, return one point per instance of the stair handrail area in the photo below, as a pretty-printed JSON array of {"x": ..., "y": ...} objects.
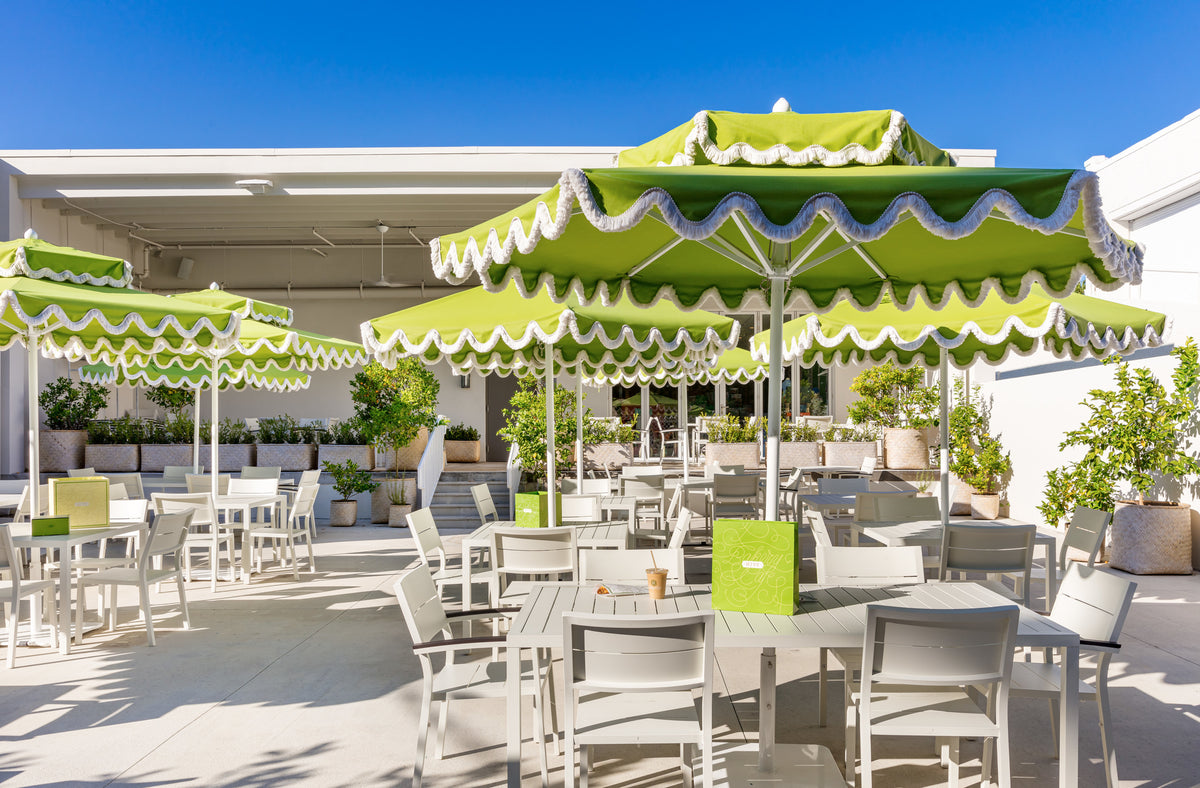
[
  {"x": 513, "y": 476},
  {"x": 429, "y": 469}
]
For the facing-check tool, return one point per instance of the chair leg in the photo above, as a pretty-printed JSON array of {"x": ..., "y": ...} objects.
[
  {"x": 822, "y": 687},
  {"x": 1107, "y": 743},
  {"x": 79, "y": 606},
  {"x": 423, "y": 726},
  {"x": 12, "y": 634},
  {"x": 687, "y": 755},
  {"x": 112, "y": 605},
  {"x": 539, "y": 733},
  {"x": 585, "y": 764},
  {"x": 952, "y": 780},
  {"x": 707, "y": 756},
  {"x": 1004, "y": 760},
  {"x": 851, "y": 733},
  {"x": 864, "y": 749},
  {"x": 985, "y": 772},
  {"x": 312, "y": 563},
  {"x": 292, "y": 552},
  {"x": 144, "y": 594},
  {"x": 569, "y": 753}
]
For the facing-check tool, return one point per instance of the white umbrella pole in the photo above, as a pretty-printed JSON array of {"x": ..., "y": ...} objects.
[
  {"x": 774, "y": 397},
  {"x": 551, "y": 518},
  {"x": 213, "y": 433},
  {"x": 684, "y": 442},
  {"x": 196, "y": 431},
  {"x": 944, "y": 434},
  {"x": 34, "y": 448},
  {"x": 579, "y": 430}
]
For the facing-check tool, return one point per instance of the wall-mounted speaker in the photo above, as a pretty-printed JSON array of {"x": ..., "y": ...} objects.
[{"x": 185, "y": 267}]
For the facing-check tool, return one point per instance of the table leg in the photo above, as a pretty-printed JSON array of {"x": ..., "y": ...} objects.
[
  {"x": 513, "y": 687},
  {"x": 1068, "y": 709},
  {"x": 853, "y": 536},
  {"x": 766, "y": 711},
  {"x": 1051, "y": 576},
  {"x": 64, "y": 600},
  {"x": 466, "y": 576},
  {"x": 245, "y": 546}
]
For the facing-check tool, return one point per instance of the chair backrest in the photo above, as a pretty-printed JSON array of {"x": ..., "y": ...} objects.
[
  {"x": 589, "y": 487},
  {"x": 1093, "y": 603},
  {"x": 581, "y": 509},
  {"x": 715, "y": 469},
  {"x": 81, "y": 472},
  {"x": 639, "y": 653},
  {"x": 641, "y": 470},
  {"x": 202, "y": 482},
  {"x": 844, "y": 486},
  {"x": 644, "y": 486},
  {"x": 869, "y": 566},
  {"x": 204, "y": 510},
  {"x": 739, "y": 486},
  {"x": 132, "y": 510},
  {"x": 251, "y": 424},
  {"x": 816, "y": 521},
  {"x": 117, "y": 492},
  {"x": 421, "y": 605},
  {"x": 629, "y": 566},
  {"x": 948, "y": 647},
  {"x": 262, "y": 485},
  {"x": 306, "y": 499},
  {"x": 261, "y": 471},
  {"x": 1085, "y": 532},
  {"x": 900, "y": 508},
  {"x": 132, "y": 482},
  {"x": 484, "y": 503},
  {"x": 309, "y": 477},
  {"x": 426, "y": 536},
  {"x": 683, "y": 527},
  {"x": 534, "y": 551},
  {"x": 868, "y": 465},
  {"x": 22, "y": 512},
  {"x": 176, "y": 473},
  {"x": 167, "y": 535},
  {"x": 986, "y": 548}
]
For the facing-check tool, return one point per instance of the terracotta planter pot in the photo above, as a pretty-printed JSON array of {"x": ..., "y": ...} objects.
[
  {"x": 985, "y": 506},
  {"x": 157, "y": 456},
  {"x": 744, "y": 454},
  {"x": 404, "y": 459},
  {"x": 288, "y": 456},
  {"x": 61, "y": 450},
  {"x": 1152, "y": 539},
  {"x": 363, "y": 456},
  {"x": 462, "y": 451},
  {"x": 111, "y": 457},
  {"x": 850, "y": 453},
  {"x": 232, "y": 457},
  {"x": 397, "y": 514},
  {"x": 601, "y": 456},
  {"x": 343, "y": 512},
  {"x": 799, "y": 454},
  {"x": 905, "y": 449},
  {"x": 381, "y": 501}
]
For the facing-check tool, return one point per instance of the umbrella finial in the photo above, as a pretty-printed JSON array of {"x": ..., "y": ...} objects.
[
  {"x": 782, "y": 105},
  {"x": 31, "y": 234},
  {"x": 214, "y": 286}
]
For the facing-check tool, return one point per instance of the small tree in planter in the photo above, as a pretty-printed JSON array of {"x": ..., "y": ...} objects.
[
  {"x": 977, "y": 457},
  {"x": 399, "y": 506},
  {"x": 173, "y": 401},
  {"x": 525, "y": 425},
  {"x": 113, "y": 445},
  {"x": 68, "y": 408},
  {"x": 346, "y": 440},
  {"x": 168, "y": 442},
  {"x": 607, "y": 446},
  {"x": 283, "y": 442},
  {"x": 898, "y": 402},
  {"x": 1137, "y": 432},
  {"x": 798, "y": 445},
  {"x": 462, "y": 443},
  {"x": 733, "y": 441},
  {"x": 348, "y": 480}
]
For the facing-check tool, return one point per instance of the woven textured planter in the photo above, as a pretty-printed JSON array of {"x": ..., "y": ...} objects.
[
  {"x": 905, "y": 449},
  {"x": 288, "y": 456},
  {"x": 850, "y": 453},
  {"x": 799, "y": 454},
  {"x": 985, "y": 506},
  {"x": 462, "y": 451},
  {"x": 398, "y": 515},
  {"x": 381, "y": 503},
  {"x": 157, "y": 456},
  {"x": 1152, "y": 539},
  {"x": 404, "y": 459},
  {"x": 606, "y": 456},
  {"x": 363, "y": 456},
  {"x": 343, "y": 512},
  {"x": 61, "y": 450},
  {"x": 232, "y": 457},
  {"x": 111, "y": 457},
  {"x": 744, "y": 454}
]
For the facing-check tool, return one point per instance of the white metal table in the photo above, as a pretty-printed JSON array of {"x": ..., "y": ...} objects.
[
  {"x": 244, "y": 504},
  {"x": 22, "y": 536},
  {"x": 835, "y": 618},
  {"x": 823, "y": 502}
]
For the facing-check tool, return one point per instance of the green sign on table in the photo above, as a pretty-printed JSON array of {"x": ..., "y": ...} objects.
[
  {"x": 755, "y": 566},
  {"x": 533, "y": 509}
]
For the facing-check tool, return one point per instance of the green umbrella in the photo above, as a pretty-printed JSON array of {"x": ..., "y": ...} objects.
[
  {"x": 61, "y": 302},
  {"x": 1075, "y": 326},
  {"x": 808, "y": 209},
  {"x": 735, "y": 365},
  {"x": 262, "y": 311},
  {"x": 635, "y": 400},
  {"x": 505, "y": 332}
]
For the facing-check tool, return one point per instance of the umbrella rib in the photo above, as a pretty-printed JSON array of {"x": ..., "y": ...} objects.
[
  {"x": 725, "y": 249},
  {"x": 637, "y": 269},
  {"x": 762, "y": 259},
  {"x": 811, "y": 247}
]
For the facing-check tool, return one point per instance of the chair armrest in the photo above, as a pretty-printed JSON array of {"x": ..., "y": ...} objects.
[
  {"x": 1100, "y": 645},
  {"x": 458, "y": 644},
  {"x": 490, "y": 612}
]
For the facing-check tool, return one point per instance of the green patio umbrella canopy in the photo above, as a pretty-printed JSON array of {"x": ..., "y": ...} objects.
[
  {"x": 505, "y": 332},
  {"x": 252, "y": 308},
  {"x": 61, "y": 302},
  {"x": 1075, "y": 326},
  {"x": 810, "y": 209},
  {"x": 635, "y": 400},
  {"x": 735, "y": 365}
]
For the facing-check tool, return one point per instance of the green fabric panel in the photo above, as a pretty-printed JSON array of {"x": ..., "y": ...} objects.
[
  {"x": 41, "y": 254},
  {"x": 193, "y": 378},
  {"x": 247, "y": 307}
]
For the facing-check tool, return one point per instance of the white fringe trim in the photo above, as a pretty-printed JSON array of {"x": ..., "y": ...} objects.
[
  {"x": 663, "y": 377},
  {"x": 534, "y": 360},
  {"x": 20, "y": 267},
  {"x": 238, "y": 379},
  {"x": 262, "y": 317},
  {"x": 1121, "y": 262}
]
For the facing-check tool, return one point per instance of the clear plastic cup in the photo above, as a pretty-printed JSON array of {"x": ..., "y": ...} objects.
[{"x": 656, "y": 580}]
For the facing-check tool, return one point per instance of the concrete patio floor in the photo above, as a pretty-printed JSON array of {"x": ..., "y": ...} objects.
[{"x": 313, "y": 683}]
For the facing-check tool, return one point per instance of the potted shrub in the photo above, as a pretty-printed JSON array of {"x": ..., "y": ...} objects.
[
  {"x": 525, "y": 426},
  {"x": 113, "y": 445},
  {"x": 233, "y": 443},
  {"x": 167, "y": 443},
  {"x": 283, "y": 442},
  {"x": 343, "y": 441},
  {"x": 977, "y": 457},
  {"x": 798, "y": 445},
  {"x": 732, "y": 441},
  {"x": 348, "y": 480},
  {"x": 898, "y": 402},
  {"x": 607, "y": 446},
  {"x": 848, "y": 445},
  {"x": 68, "y": 407},
  {"x": 462, "y": 444},
  {"x": 399, "y": 505},
  {"x": 1137, "y": 432}
]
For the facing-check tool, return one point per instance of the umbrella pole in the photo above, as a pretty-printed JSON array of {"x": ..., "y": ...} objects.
[
  {"x": 944, "y": 434},
  {"x": 579, "y": 430},
  {"x": 684, "y": 437},
  {"x": 212, "y": 436},
  {"x": 774, "y": 397},
  {"x": 34, "y": 448},
  {"x": 551, "y": 514},
  {"x": 196, "y": 431}
]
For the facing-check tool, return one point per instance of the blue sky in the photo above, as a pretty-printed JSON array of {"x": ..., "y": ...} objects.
[{"x": 1047, "y": 84}]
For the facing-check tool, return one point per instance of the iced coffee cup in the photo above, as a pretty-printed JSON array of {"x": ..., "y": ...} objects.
[{"x": 656, "y": 580}]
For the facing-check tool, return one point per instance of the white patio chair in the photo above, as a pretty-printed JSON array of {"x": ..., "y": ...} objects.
[
  {"x": 866, "y": 470},
  {"x": 205, "y": 532},
  {"x": 165, "y": 541},
  {"x": 307, "y": 479},
  {"x": 1093, "y": 604},
  {"x": 429, "y": 626},
  {"x": 897, "y": 507},
  {"x": 820, "y": 531},
  {"x": 291, "y": 529},
  {"x": 601, "y": 486},
  {"x": 132, "y": 482},
  {"x": 628, "y": 567},
  {"x": 734, "y": 495},
  {"x": 530, "y": 553},
  {"x": 940, "y": 673},
  {"x": 76, "y": 472},
  {"x": 716, "y": 469},
  {"x": 632, "y": 679},
  {"x": 21, "y": 513},
  {"x": 202, "y": 483},
  {"x": 256, "y": 485},
  {"x": 848, "y": 486},
  {"x": 581, "y": 509},
  {"x": 676, "y": 538},
  {"x": 992, "y": 549},
  {"x": 176, "y": 473},
  {"x": 650, "y": 492},
  {"x": 14, "y": 588},
  {"x": 430, "y": 548},
  {"x": 484, "y": 505},
  {"x": 1085, "y": 532}
]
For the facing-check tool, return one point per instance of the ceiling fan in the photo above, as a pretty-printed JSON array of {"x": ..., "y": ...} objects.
[{"x": 383, "y": 281}]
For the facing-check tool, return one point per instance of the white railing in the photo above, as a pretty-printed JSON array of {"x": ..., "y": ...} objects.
[
  {"x": 429, "y": 469},
  {"x": 513, "y": 471}
]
